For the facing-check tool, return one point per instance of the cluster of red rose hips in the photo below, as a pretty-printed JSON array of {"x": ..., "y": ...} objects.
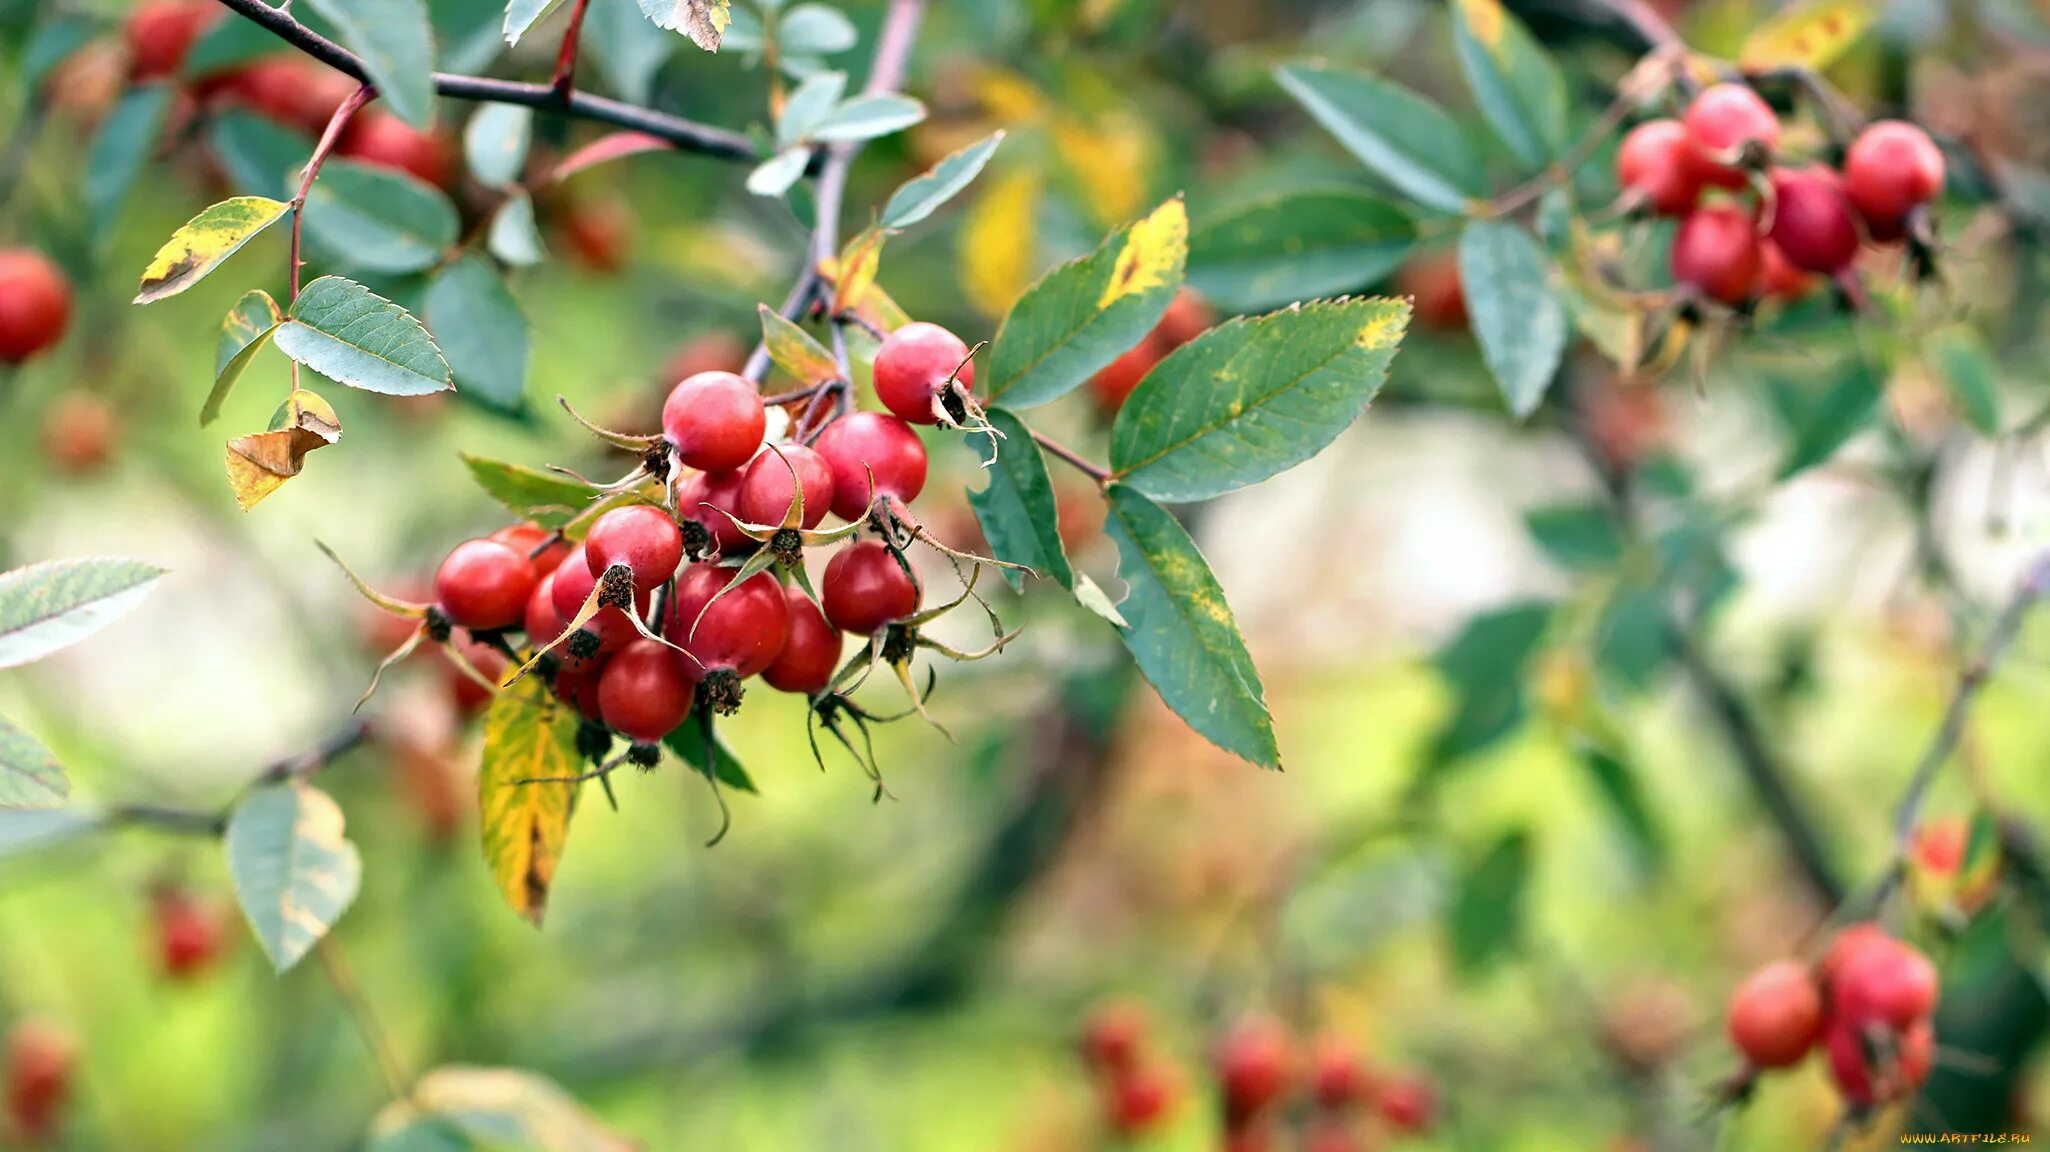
[
  {"x": 1339, "y": 1103},
  {"x": 41, "y": 1059},
  {"x": 1868, "y": 1003},
  {"x": 1752, "y": 228}
]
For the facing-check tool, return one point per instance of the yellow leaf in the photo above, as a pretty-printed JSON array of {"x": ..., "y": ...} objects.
[
  {"x": 998, "y": 241},
  {"x": 804, "y": 359},
  {"x": 857, "y": 269},
  {"x": 205, "y": 241},
  {"x": 1153, "y": 254},
  {"x": 259, "y": 464},
  {"x": 1109, "y": 158},
  {"x": 1484, "y": 19},
  {"x": 529, "y": 735},
  {"x": 1009, "y": 98},
  {"x": 1810, "y": 35}
]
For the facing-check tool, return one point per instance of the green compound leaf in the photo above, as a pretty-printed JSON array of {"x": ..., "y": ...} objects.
[
  {"x": 1016, "y": 509},
  {"x": 349, "y": 334}
]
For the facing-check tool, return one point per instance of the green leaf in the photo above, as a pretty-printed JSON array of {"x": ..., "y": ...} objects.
[
  {"x": 1016, "y": 508},
  {"x": 1964, "y": 362},
  {"x": 774, "y": 176},
  {"x": 295, "y": 872},
  {"x": 547, "y": 498},
  {"x": 1297, "y": 246},
  {"x": 120, "y": 149},
  {"x": 922, "y": 195},
  {"x": 1622, "y": 795},
  {"x": 53, "y": 605},
  {"x": 687, "y": 740},
  {"x": 204, "y": 242},
  {"x": 55, "y": 38},
  {"x": 495, "y": 142},
  {"x": 1633, "y": 639},
  {"x": 1577, "y": 537},
  {"x": 521, "y": 15},
  {"x": 793, "y": 350},
  {"x": 513, "y": 236},
  {"x": 1181, "y": 631},
  {"x": 1485, "y": 921},
  {"x": 349, "y": 334},
  {"x": 1824, "y": 421},
  {"x": 396, "y": 41},
  {"x": 29, "y": 776},
  {"x": 1484, "y": 665},
  {"x": 814, "y": 30},
  {"x": 1515, "y": 83},
  {"x": 867, "y": 117},
  {"x": 471, "y": 33},
  {"x": 378, "y": 219},
  {"x": 809, "y": 106},
  {"x": 1405, "y": 139},
  {"x": 529, "y": 735},
  {"x": 1253, "y": 397},
  {"x": 617, "y": 35},
  {"x": 261, "y": 157},
  {"x": 1087, "y": 312},
  {"x": 243, "y": 333},
  {"x": 482, "y": 332},
  {"x": 1520, "y": 322}
]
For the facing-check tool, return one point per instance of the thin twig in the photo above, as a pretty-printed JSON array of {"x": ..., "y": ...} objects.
[
  {"x": 335, "y": 963},
  {"x": 328, "y": 139},
  {"x": 1072, "y": 458},
  {"x": 213, "y": 823},
  {"x": 566, "y": 59}
]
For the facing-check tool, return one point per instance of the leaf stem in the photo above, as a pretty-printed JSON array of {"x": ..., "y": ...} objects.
[
  {"x": 342, "y": 975},
  {"x": 1072, "y": 458}
]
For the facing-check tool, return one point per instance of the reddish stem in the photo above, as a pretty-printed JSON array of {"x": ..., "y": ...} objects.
[
  {"x": 1072, "y": 458},
  {"x": 333, "y": 133},
  {"x": 566, "y": 60}
]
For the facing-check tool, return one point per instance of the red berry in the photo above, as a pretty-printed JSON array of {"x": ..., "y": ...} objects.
[
  {"x": 292, "y": 90},
  {"x": 711, "y": 351},
  {"x": 1139, "y": 1098},
  {"x": 1255, "y": 1063},
  {"x": 715, "y": 420},
  {"x": 742, "y": 631},
  {"x": 915, "y": 364},
  {"x": 722, "y": 491},
  {"x": 573, "y": 584},
  {"x": 867, "y": 586},
  {"x": 1776, "y": 1015},
  {"x": 1115, "y": 381},
  {"x": 1850, "y": 941},
  {"x": 1722, "y": 121},
  {"x": 543, "y": 548},
  {"x": 1892, "y": 167},
  {"x": 1432, "y": 284},
  {"x": 484, "y": 584},
  {"x": 1811, "y": 221},
  {"x": 639, "y": 536},
  {"x": 1889, "y": 986},
  {"x": 1338, "y": 1077},
  {"x": 161, "y": 32},
  {"x": 578, "y": 686},
  {"x": 1940, "y": 844},
  {"x": 1716, "y": 252},
  {"x": 811, "y": 649},
  {"x": 1778, "y": 279},
  {"x": 1867, "y": 1073},
  {"x": 1408, "y": 1103},
  {"x": 40, "y": 1058},
  {"x": 1656, "y": 163},
  {"x": 380, "y": 138},
  {"x": 644, "y": 692},
  {"x": 542, "y": 623},
  {"x": 598, "y": 233},
  {"x": 1114, "y": 1035},
  {"x": 865, "y": 445},
  {"x": 35, "y": 304},
  {"x": 767, "y": 487},
  {"x": 190, "y": 933},
  {"x": 79, "y": 433},
  {"x": 1186, "y": 318}
]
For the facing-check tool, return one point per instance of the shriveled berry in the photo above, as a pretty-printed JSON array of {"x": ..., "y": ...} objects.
[
  {"x": 915, "y": 364},
  {"x": 1891, "y": 986},
  {"x": 1656, "y": 164},
  {"x": 639, "y": 536},
  {"x": 643, "y": 693},
  {"x": 1811, "y": 221},
  {"x": 1715, "y": 251},
  {"x": 767, "y": 487},
  {"x": 867, "y": 586},
  {"x": 484, "y": 584},
  {"x": 1775, "y": 1015},
  {"x": 35, "y": 304},
  {"x": 811, "y": 648},
  {"x": 861, "y": 445},
  {"x": 1725, "y": 120},
  {"x": 741, "y": 632},
  {"x": 1255, "y": 1066},
  {"x": 1892, "y": 167},
  {"x": 380, "y": 138},
  {"x": 715, "y": 420}
]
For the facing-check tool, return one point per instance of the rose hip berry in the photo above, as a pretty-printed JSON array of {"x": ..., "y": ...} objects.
[
  {"x": 1115, "y": 382},
  {"x": 469, "y": 696},
  {"x": 914, "y": 367},
  {"x": 1891, "y": 986},
  {"x": 1778, "y": 279},
  {"x": 767, "y": 487},
  {"x": 573, "y": 584},
  {"x": 1869, "y": 1072},
  {"x": 1113, "y": 1036},
  {"x": 1656, "y": 164},
  {"x": 190, "y": 933},
  {"x": 1338, "y": 1077},
  {"x": 1409, "y": 1103},
  {"x": 1254, "y": 1063},
  {"x": 861, "y": 445},
  {"x": 644, "y": 692},
  {"x": 40, "y": 1058},
  {"x": 868, "y": 586},
  {"x": 536, "y": 543},
  {"x": 380, "y": 138},
  {"x": 1811, "y": 221},
  {"x": 1892, "y": 167},
  {"x": 706, "y": 498},
  {"x": 35, "y": 304},
  {"x": 1138, "y": 1099},
  {"x": 1715, "y": 251},
  {"x": 484, "y": 584},
  {"x": 160, "y": 33},
  {"x": 715, "y": 420},
  {"x": 1850, "y": 941},
  {"x": 1724, "y": 122},
  {"x": 642, "y": 538},
  {"x": 290, "y": 89},
  {"x": 1776, "y": 1015},
  {"x": 742, "y": 632},
  {"x": 1437, "y": 298},
  {"x": 811, "y": 649}
]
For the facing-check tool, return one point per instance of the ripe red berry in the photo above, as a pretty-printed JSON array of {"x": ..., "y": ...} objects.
[
  {"x": 1432, "y": 284},
  {"x": 469, "y": 696},
  {"x": 35, "y": 304},
  {"x": 1338, "y": 1077},
  {"x": 1331, "y": 1134},
  {"x": 861, "y": 445},
  {"x": 573, "y": 584},
  {"x": 598, "y": 233},
  {"x": 1657, "y": 165},
  {"x": 541, "y": 622},
  {"x": 1409, "y": 1103},
  {"x": 721, "y": 491},
  {"x": 1876, "y": 1070},
  {"x": 1811, "y": 221},
  {"x": 1940, "y": 844},
  {"x": 1891, "y": 986},
  {"x": 1775, "y": 1015},
  {"x": 484, "y": 584},
  {"x": 1114, "y": 1035},
  {"x": 292, "y": 90},
  {"x": 1186, "y": 318},
  {"x": 1255, "y": 1064},
  {"x": 540, "y": 546},
  {"x": 1138, "y": 1099},
  {"x": 1115, "y": 381},
  {"x": 79, "y": 433},
  {"x": 1724, "y": 120},
  {"x": 741, "y": 632},
  {"x": 1850, "y": 941},
  {"x": 644, "y": 692},
  {"x": 811, "y": 649},
  {"x": 867, "y": 586},
  {"x": 161, "y": 32},
  {"x": 1892, "y": 167},
  {"x": 1778, "y": 279},
  {"x": 578, "y": 686},
  {"x": 715, "y": 420},
  {"x": 1715, "y": 251},
  {"x": 380, "y": 138},
  {"x": 767, "y": 487},
  {"x": 639, "y": 536},
  {"x": 190, "y": 932},
  {"x": 40, "y": 1058},
  {"x": 915, "y": 365}
]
